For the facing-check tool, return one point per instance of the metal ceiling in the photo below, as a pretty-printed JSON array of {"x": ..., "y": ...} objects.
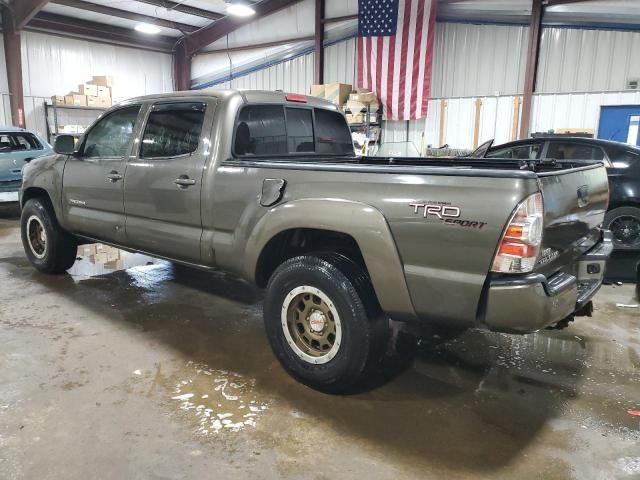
[{"x": 177, "y": 18}]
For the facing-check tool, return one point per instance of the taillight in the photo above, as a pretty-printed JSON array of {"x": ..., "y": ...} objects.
[{"x": 520, "y": 243}]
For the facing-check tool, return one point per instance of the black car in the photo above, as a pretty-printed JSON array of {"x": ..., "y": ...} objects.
[{"x": 623, "y": 166}]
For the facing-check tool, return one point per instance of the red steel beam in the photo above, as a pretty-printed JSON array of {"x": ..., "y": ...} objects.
[
  {"x": 318, "y": 51},
  {"x": 218, "y": 29},
  {"x": 116, "y": 12},
  {"x": 74, "y": 27},
  {"x": 25, "y": 10},
  {"x": 13, "y": 57},
  {"x": 531, "y": 74},
  {"x": 181, "y": 68}
]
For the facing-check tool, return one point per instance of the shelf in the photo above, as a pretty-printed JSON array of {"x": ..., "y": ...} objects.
[
  {"x": 363, "y": 125},
  {"x": 76, "y": 107}
]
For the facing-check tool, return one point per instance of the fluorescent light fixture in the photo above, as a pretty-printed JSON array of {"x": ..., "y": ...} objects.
[
  {"x": 147, "y": 28},
  {"x": 239, "y": 9}
]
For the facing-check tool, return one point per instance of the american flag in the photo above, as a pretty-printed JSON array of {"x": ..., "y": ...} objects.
[{"x": 394, "y": 51}]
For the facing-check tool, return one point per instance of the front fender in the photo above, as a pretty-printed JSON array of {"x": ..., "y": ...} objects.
[
  {"x": 364, "y": 223},
  {"x": 45, "y": 174}
]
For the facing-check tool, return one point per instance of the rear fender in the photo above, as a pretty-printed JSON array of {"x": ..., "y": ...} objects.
[{"x": 364, "y": 223}]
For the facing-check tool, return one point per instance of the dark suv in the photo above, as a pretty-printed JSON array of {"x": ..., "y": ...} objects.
[{"x": 623, "y": 168}]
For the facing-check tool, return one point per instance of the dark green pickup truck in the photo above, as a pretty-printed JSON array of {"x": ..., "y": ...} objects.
[{"x": 265, "y": 185}]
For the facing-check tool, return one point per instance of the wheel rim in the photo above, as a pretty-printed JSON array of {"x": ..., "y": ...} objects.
[
  {"x": 626, "y": 230},
  {"x": 36, "y": 236},
  {"x": 311, "y": 324}
]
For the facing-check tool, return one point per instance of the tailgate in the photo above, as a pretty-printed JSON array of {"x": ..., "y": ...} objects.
[{"x": 575, "y": 202}]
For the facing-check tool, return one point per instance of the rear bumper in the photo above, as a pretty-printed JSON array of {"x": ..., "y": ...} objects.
[{"x": 531, "y": 302}]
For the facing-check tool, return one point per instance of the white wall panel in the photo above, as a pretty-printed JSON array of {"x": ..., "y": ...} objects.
[
  {"x": 573, "y": 60},
  {"x": 575, "y": 111},
  {"x": 56, "y": 65},
  {"x": 292, "y": 76},
  {"x": 478, "y": 60},
  {"x": 340, "y": 62}
]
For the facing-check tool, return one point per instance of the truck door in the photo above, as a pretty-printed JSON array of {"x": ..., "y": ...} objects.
[
  {"x": 92, "y": 195},
  {"x": 163, "y": 183}
]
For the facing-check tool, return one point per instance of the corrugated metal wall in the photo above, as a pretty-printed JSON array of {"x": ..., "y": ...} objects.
[
  {"x": 478, "y": 60},
  {"x": 340, "y": 62},
  {"x": 573, "y": 60},
  {"x": 53, "y": 65}
]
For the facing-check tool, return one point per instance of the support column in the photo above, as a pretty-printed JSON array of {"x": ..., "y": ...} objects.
[
  {"x": 181, "y": 67},
  {"x": 13, "y": 57},
  {"x": 535, "y": 30},
  {"x": 318, "y": 54}
]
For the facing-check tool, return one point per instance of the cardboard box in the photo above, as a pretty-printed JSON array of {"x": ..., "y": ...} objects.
[
  {"x": 364, "y": 97},
  {"x": 355, "y": 117},
  {"x": 75, "y": 99},
  {"x": 113, "y": 255},
  {"x": 99, "y": 258},
  {"x": 88, "y": 89},
  {"x": 103, "y": 91},
  {"x": 102, "y": 80},
  {"x": 104, "y": 102},
  {"x": 87, "y": 250},
  {"x": 317, "y": 91},
  {"x": 57, "y": 100},
  {"x": 337, "y": 93}
]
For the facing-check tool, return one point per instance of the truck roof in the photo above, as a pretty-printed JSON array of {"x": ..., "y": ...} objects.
[{"x": 248, "y": 96}]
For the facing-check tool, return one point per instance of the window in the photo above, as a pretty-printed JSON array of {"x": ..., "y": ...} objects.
[
  {"x": 621, "y": 158},
  {"x": 173, "y": 129},
  {"x": 524, "y": 152},
  {"x": 19, "y": 141},
  {"x": 300, "y": 130},
  {"x": 333, "y": 136},
  {"x": 111, "y": 136},
  {"x": 574, "y": 151},
  {"x": 261, "y": 130}
]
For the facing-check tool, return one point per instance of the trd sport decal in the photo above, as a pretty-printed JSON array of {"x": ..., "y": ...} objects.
[{"x": 444, "y": 212}]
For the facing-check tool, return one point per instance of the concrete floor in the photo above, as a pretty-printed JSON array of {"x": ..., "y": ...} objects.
[{"x": 160, "y": 373}]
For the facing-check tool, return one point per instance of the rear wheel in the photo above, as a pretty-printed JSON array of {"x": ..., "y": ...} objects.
[
  {"x": 624, "y": 223},
  {"x": 49, "y": 248},
  {"x": 323, "y": 321}
]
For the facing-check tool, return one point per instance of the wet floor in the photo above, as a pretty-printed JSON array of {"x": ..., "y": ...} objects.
[{"x": 148, "y": 370}]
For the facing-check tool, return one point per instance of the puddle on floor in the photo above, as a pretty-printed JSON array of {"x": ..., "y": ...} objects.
[
  {"x": 97, "y": 259},
  {"x": 218, "y": 400}
]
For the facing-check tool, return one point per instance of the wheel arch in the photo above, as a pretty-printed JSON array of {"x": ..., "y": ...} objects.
[{"x": 354, "y": 228}]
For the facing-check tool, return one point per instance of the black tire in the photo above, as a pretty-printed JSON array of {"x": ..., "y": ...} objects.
[
  {"x": 58, "y": 252},
  {"x": 364, "y": 328},
  {"x": 624, "y": 223}
]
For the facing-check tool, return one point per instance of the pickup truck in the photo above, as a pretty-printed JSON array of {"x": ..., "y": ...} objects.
[{"x": 265, "y": 185}]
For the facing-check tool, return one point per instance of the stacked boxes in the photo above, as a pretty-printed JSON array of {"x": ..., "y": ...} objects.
[
  {"x": 356, "y": 105},
  {"x": 95, "y": 93}
]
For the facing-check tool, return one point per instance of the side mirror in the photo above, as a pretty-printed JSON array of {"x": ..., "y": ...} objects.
[{"x": 65, "y": 144}]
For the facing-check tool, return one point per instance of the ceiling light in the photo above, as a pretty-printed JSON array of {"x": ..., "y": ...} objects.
[
  {"x": 239, "y": 9},
  {"x": 146, "y": 28}
]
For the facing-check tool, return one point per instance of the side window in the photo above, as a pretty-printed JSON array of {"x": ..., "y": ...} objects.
[
  {"x": 621, "y": 158},
  {"x": 111, "y": 136},
  {"x": 524, "y": 152},
  {"x": 300, "y": 130},
  {"x": 26, "y": 141},
  {"x": 6, "y": 143},
  {"x": 333, "y": 136},
  {"x": 173, "y": 129},
  {"x": 261, "y": 130},
  {"x": 574, "y": 151}
]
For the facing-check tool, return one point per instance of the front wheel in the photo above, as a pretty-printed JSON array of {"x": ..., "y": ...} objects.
[
  {"x": 323, "y": 321},
  {"x": 624, "y": 223},
  {"x": 48, "y": 247}
]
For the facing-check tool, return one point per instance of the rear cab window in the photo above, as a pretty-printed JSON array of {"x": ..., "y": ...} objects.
[
  {"x": 574, "y": 151},
  {"x": 277, "y": 130},
  {"x": 173, "y": 129},
  {"x": 521, "y": 152}
]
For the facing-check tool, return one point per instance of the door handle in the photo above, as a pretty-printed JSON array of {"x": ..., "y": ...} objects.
[
  {"x": 184, "y": 181},
  {"x": 114, "y": 176}
]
